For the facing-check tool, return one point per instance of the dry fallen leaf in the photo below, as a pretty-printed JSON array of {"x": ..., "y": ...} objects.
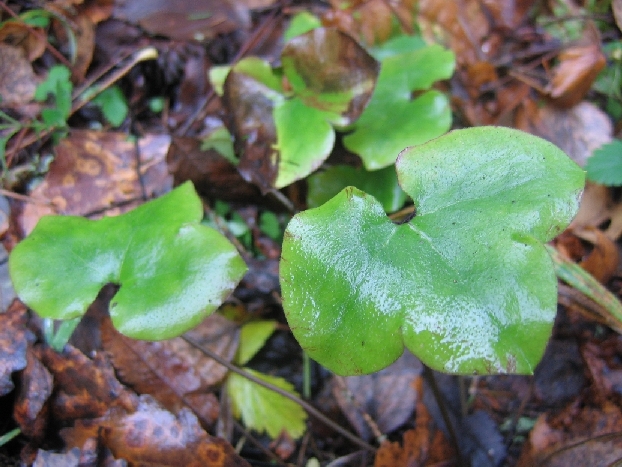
[
  {"x": 31, "y": 40},
  {"x": 14, "y": 339},
  {"x": 578, "y": 131},
  {"x": 84, "y": 388},
  {"x": 95, "y": 172},
  {"x": 387, "y": 396},
  {"x": 17, "y": 82},
  {"x": 172, "y": 371},
  {"x": 603, "y": 260},
  {"x": 425, "y": 444},
  {"x": 578, "y": 67},
  {"x": 588, "y": 436},
  {"x": 31, "y": 409},
  {"x": 152, "y": 436}
]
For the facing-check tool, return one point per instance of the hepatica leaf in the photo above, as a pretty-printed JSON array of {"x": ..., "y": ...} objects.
[
  {"x": 466, "y": 285},
  {"x": 393, "y": 119},
  {"x": 172, "y": 271}
]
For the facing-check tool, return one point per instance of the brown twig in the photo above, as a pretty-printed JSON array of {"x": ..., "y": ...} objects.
[{"x": 308, "y": 407}]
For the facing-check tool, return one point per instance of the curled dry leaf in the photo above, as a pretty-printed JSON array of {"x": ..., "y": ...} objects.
[
  {"x": 602, "y": 262},
  {"x": 21, "y": 35},
  {"x": 573, "y": 77},
  {"x": 597, "y": 207}
]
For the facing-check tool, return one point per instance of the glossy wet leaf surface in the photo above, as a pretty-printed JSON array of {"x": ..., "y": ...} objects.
[
  {"x": 172, "y": 271},
  {"x": 382, "y": 184},
  {"x": 466, "y": 285}
]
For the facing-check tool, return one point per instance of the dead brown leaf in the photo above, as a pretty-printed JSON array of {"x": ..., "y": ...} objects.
[
  {"x": 14, "y": 340},
  {"x": 152, "y": 436},
  {"x": 212, "y": 174},
  {"x": 597, "y": 207},
  {"x": 21, "y": 35},
  {"x": 578, "y": 131},
  {"x": 603, "y": 260},
  {"x": 578, "y": 67},
  {"x": 17, "y": 82},
  {"x": 172, "y": 371},
  {"x": 253, "y": 128},
  {"x": 422, "y": 445},
  {"x": 97, "y": 172},
  {"x": 84, "y": 388},
  {"x": 372, "y": 21},
  {"x": 587, "y": 437},
  {"x": 387, "y": 396},
  {"x": 186, "y": 19},
  {"x": 31, "y": 409}
]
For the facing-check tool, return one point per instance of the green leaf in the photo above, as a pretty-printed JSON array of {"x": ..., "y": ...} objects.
[
  {"x": 401, "y": 44},
  {"x": 172, "y": 271},
  {"x": 57, "y": 84},
  {"x": 301, "y": 23},
  {"x": 466, "y": 284},
  {"x": 113, "y": 105},
  {"x": 220, "y": 141},
  {"x": 264, "y": 410},
  {"x": 605, "y": 165},
  {"x": 304, "y": 140},
  {"x": 269, "y": 224},
  {"x": 392, "y": 119},
  {"x": 382, "y": 184},
  {"x": 253, "y": 336},
  {"x": 217, "y": 77}
]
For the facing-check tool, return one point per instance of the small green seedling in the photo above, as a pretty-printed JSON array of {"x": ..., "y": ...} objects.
[
  {"x": 171, "y": 270},
  {"x": 260, "y": 408},
  {"x": 467, "y": 284}
]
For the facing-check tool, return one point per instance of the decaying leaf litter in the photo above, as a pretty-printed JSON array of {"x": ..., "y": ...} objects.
[{"x": 535, "y": 66}]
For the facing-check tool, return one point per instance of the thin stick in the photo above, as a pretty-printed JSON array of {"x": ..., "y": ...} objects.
[
  {"x": 60, "y": 57},
  {"x": 144, "y": 54},
  {"x": 308, "y": 407},
  {"x": 429, "y": 376}
]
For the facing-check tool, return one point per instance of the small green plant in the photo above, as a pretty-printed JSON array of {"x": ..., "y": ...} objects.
[
  {"x": 605, "y": 165},
  {"x": 260, "y": 408},
  {"x": 171, "y": 270},
  {"x": 56, "y": 90},
  {"x": 466, "y": 284},
  {"x": 287, "y": 117}
]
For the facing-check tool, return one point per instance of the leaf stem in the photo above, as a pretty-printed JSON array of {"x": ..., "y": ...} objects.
[{"x": 440, "y": 401}]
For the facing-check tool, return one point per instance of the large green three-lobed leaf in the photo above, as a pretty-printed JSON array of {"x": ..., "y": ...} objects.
[
  {"x": 466, "y": 285},
  {"x": 172, "y": 271}
]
